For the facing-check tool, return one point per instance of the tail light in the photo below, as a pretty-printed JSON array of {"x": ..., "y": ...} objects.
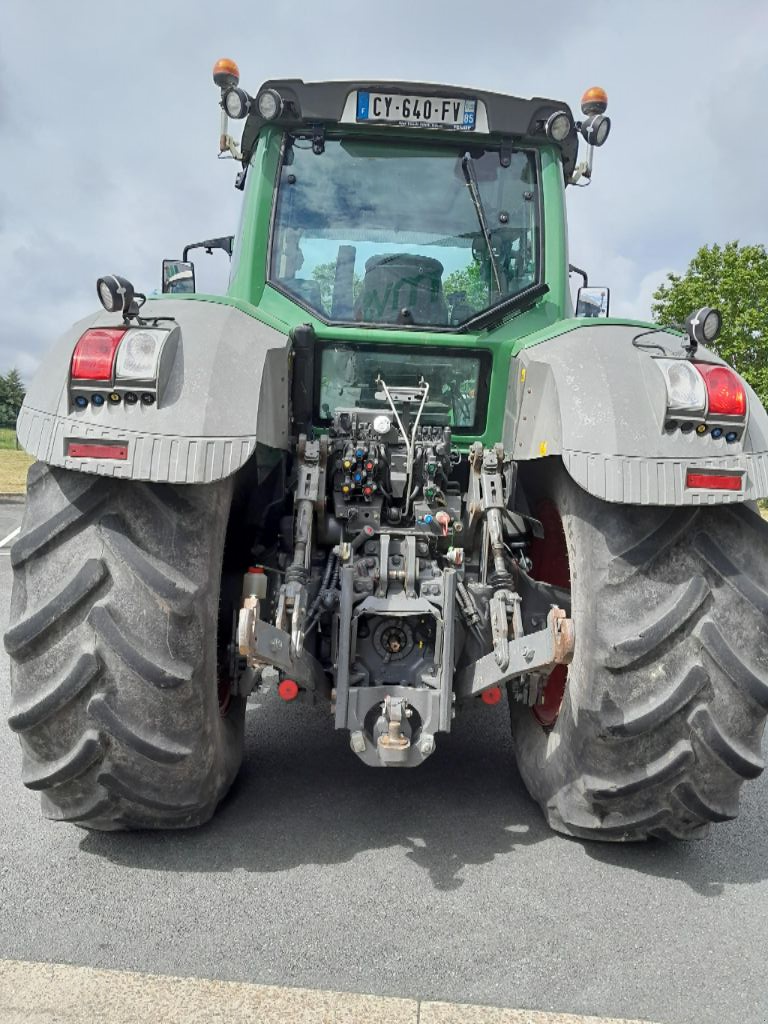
[
  {"x": 714, "y": 481},
  {"x": 94, "y": 355},
  {"x": 685, "y": 389},
  {"x": 139, "y": 355},
  {"x": 726, "y": 391},
  {"x": 114, "y": 365}
]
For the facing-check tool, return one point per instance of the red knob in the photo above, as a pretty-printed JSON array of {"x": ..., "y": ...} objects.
[{"x": 289, "y": 690}]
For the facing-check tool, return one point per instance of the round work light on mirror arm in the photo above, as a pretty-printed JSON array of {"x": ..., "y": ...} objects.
[
  {"x": 237, "y": 103},
  {"x": 594, "y": 130}
]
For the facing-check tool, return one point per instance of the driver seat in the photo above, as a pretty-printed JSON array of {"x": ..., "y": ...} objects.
[{"x": 403, "y": 281}]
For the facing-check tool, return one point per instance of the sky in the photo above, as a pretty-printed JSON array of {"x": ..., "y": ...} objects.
[{"x": 109, "y": 126}]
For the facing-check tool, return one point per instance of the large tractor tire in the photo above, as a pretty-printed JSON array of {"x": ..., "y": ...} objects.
[
  {"x": 113, "y": 642},
  {"x": 664, "y": 704}
]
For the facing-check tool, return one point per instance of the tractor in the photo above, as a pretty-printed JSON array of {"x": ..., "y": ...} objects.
[{"x": 389, "y": 473}]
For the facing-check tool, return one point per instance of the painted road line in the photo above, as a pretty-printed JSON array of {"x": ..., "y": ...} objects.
[
  {"x": 461, "y": 1013},
  {"x": 14, "y": 533},
  {"x": 37, "y": 993}
]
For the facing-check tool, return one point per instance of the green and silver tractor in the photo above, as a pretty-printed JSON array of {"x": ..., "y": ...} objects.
[{"x": 391, "y": 474}]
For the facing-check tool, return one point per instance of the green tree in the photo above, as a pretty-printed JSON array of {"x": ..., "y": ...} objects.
[
  {"x": 325, "y": 275},
  {"x": 12, "y": 393},
  {"x": 733, "y": 279},
  {"x": 470, "y": 281}
]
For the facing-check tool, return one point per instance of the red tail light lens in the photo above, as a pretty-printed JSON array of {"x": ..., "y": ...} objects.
[
  {"x": 727, "y": 395},
  {"x": 94, "y": 354},
  {"x": 714, "y": 481},
  {"x": 97, "y": 451}
]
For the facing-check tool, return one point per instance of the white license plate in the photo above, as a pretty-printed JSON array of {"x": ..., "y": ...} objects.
[{"x": 456, "y": 113}]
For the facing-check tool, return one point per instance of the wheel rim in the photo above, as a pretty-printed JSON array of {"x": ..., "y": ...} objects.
[{"x": 551, "y": 565}]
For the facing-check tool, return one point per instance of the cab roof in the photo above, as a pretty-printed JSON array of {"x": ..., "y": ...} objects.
[{"x": 315, "y": 105}]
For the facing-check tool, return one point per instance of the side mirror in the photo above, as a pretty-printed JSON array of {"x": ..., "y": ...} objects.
[
  {"x": 593, "y": 301},
  {"x": 178, "y": 277}
]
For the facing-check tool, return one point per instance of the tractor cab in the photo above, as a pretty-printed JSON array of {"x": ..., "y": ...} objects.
[{"x": 402, "y": 206}]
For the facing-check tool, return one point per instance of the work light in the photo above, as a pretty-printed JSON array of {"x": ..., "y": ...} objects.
[
  {"x": 237, "y": 103},
  {"x": 595, "y": 129},
  {"x": 270, "y": 104},
  {"x": 558, "y": 126},
  {"x": 115, "y": 293},
  {"x": 704, "y": 325}
]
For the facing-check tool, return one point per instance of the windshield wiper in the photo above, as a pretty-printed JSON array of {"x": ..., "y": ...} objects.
[
  {"x": 468, "y": 167},
  {"x": 515, "y": 303}
]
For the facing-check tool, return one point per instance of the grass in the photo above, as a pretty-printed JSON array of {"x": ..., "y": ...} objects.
[
  {"x": 8, "y": 438},
  {"x": 13, "y": 471}
]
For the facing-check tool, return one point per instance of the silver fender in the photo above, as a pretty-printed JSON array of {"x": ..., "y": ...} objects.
[
  {"x": 227, "y": 387},
  {"x": 593, "y": 398}
]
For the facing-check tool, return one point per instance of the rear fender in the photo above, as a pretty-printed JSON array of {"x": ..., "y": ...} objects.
[
  {"x": 593, "y": 398},
  {"x": 227, "y": 386}
]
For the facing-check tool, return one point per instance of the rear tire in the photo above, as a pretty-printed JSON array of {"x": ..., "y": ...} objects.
[
  {"x": 666, "y": 699},
  {"x": 113, "y": 645}
]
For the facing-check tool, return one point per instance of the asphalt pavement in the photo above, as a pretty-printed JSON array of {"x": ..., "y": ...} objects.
[{"x": 441, "y": 883}]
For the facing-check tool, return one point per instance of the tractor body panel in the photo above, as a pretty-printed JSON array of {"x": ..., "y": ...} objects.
[
  {"x": 592, "y": 397},
  {"x": 227, "y": 388}
]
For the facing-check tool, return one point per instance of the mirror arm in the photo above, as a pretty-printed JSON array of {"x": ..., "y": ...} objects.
[
  {"x": 582, "y": 273},
  {"x": 226, "y": 242}
]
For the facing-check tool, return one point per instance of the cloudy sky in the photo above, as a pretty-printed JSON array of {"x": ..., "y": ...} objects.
[{"x": 109, "y": 127}]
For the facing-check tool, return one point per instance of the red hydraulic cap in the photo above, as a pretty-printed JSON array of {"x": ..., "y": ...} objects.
[
  {"x": 288, "y": 689},
  {"x": 257, "y": 570},
  {"x": 491, "y": 696}
]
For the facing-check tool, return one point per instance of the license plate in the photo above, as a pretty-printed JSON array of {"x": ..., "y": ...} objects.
[{"x": 455, "y": 113}]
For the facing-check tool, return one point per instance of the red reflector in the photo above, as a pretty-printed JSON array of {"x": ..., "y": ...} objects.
[
  {"x": 94, "y": 353},
  {"x": 492, "y": 696},
  {"x": 288, "y": 689},
  {"x": 725, "y": 388},
  {"x": 97, "y": 451},
  {"x": 715, "y": 481}
]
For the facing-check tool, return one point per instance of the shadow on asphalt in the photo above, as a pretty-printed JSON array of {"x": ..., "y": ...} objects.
[
  {"x": 303, "y": 797},
  {"x": 732, "y": 854}
]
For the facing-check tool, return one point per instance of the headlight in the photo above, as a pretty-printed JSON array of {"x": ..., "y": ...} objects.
[
  {"x": 595, "y": 129},
  {"x": 558, "y": 126},
  {"x": 237, "y": 103},
  {"x": 139, "y": 354},
  {"x": 115, "y": 293},
  {"x": 270, "y": 104},
  {"x": 704, "y": 325},
  {"x": 686, "y": 391}
]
